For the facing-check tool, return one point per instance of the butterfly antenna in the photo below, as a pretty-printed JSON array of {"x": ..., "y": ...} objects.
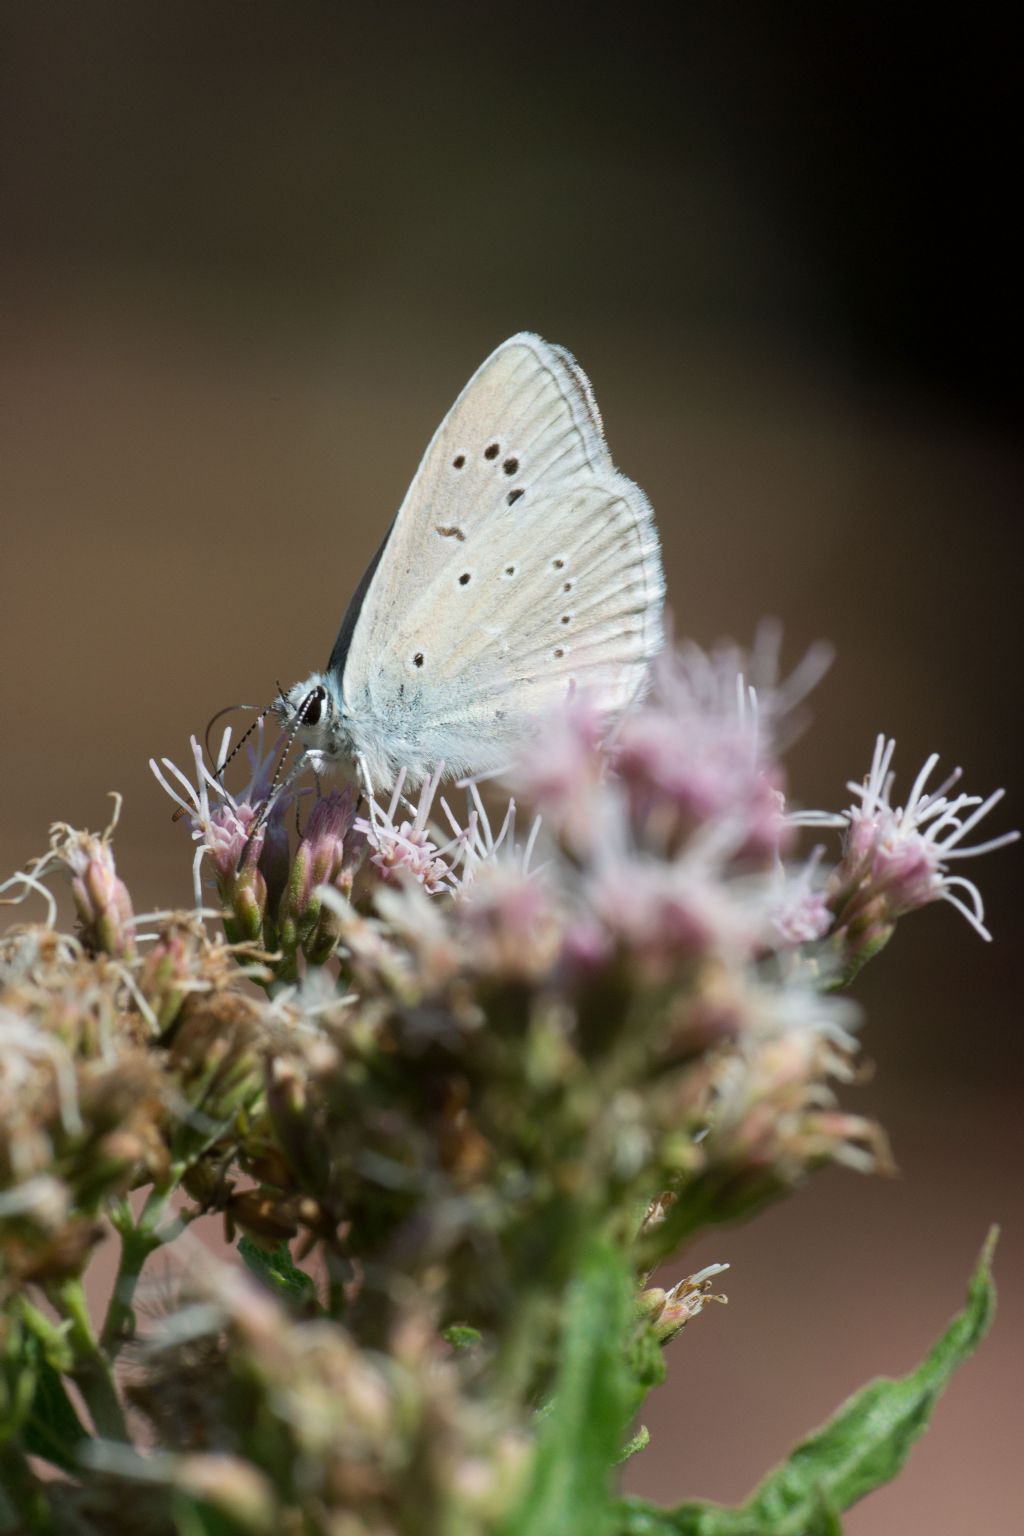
[
  {"x": 276, "y": 786},
  {"x": 267, "y": 807},
  {"x": 228, "y": 710}
]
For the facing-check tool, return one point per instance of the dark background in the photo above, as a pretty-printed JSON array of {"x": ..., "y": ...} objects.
[{"x": 250, "y": 253}]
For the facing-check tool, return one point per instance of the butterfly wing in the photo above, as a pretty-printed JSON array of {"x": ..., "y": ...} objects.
[{"x": 521, "y": 563}]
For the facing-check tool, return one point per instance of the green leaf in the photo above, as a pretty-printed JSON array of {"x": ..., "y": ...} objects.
[
  {"x": 863, "y": 1446},
  {"x": 278, "y": 1271},
  {"x": 825, "y": 1519},
  {"x": 461, "y": 1336},
  {"x": 579, "y": 1439},
  {"x": 640, "y": 1441},
  {"x": 34, "y": 1403},
  {"x": 53, "y": 1428}
]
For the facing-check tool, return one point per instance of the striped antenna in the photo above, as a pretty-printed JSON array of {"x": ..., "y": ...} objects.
[{"x": 228, "y": 710}]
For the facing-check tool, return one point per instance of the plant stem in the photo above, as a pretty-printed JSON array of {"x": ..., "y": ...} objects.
[
  {"x": 138, "y": 1240},
  {"x": 51, "y": 1335},
  {"x": 93, "y": 1372}
]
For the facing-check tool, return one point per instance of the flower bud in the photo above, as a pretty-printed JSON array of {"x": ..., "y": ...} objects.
[
  {"x": 670, "y": 1311},
  {"x": 217, "y": 1060},
  {"x": 102, "y": 902},
  {"x": 165, "y": 973},
  {"x": 319, "y": 860},
  {"x": 295, "y": 1125},
  {"x": 276, "y": 854}
]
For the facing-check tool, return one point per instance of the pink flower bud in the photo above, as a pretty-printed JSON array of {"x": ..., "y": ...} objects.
[
  {"x": 671, "y": 1310},
  {"x": 323, "y": 857},
  {"x": 102, "y": 902}
]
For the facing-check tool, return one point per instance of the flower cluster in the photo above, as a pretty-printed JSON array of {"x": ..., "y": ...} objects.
[
  {"x": 79, "y": 1101},
  {"x": 266, "y": 897},
  {"x": 648, "y": 962},
  {"x": 377, "y": 1441},
  {"x": 440, "y": 1052}
]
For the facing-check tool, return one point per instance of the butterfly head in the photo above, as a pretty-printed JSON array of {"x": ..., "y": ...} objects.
[{"x": 311, "y": 713}]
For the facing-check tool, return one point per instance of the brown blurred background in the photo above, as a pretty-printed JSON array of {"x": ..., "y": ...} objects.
[{"x": 249, "y": 254}]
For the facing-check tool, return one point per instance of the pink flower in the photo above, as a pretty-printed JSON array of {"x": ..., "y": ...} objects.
[
  {"x": 230, "y": 829},
  {"x": 802, "y": 913},
  {"x": 897, "y": 858},
  {"x": 403, "y": 845},
  {"x": 564, "y": 771},
  {"x": 699, "y": 747},
  {"x": 666, "y": 913}
]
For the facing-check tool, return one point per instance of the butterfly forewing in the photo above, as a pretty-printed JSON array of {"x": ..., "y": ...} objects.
[
  {"x": 525, "y": 420},
  {"x": 520, "y": 564}
]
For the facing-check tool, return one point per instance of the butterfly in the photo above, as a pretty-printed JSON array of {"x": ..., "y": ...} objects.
[{"x": 521, "y": 567}]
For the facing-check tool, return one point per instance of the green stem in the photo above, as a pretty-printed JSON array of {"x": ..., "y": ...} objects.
[
  {"x": 93, "y": 1372},
  {"x": 52, "y": 1336},
  {"x": 138, "y": 1240}
]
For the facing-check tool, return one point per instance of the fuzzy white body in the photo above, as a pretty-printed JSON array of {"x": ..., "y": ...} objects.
[{"x": 521, "y": 566}]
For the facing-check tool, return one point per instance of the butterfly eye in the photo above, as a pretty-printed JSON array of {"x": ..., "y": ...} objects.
[
  {"x": 417, "y": 660},
  {"x": 312, "y": 707}
]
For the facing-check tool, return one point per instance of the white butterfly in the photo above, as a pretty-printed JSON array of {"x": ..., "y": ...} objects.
[{"x": 521, "y": 565}]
